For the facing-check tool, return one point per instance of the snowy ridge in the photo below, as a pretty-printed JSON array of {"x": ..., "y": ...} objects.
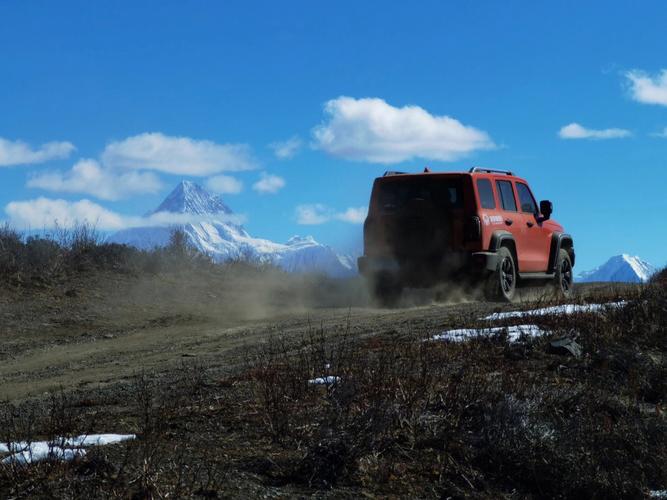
[
  {"x": 621, "y": 268},
  {"x": 224, "y": 240}
]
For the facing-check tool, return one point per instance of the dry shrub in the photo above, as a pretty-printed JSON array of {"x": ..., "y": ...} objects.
[{"x": 429, "y": 419}]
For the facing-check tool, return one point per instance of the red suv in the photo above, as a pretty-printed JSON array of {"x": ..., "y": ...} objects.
[{"x": 482, "y": 225}]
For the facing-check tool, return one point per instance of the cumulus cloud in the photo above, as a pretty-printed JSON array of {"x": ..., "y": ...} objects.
[
  {"x": 224, "y": 184},
  {"x": 47, "y": 213},
  {"x": 177, "y": 155},
  {"x": 269, "y": 184},
  {"x": 371, "y": 130},
  {"x": 646, "y": 88},
  {"x": 353, "y": 215},
  {"x": 20, "y": 153},
  {"x": 315, "y": 214},
  {"x": 286, "y": 149},
  {"x": 89, "y": 177},
  {"x": 312, "y": 214},
  {"x": 576, "y": 131}
]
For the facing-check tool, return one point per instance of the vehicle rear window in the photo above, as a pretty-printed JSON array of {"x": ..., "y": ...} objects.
[
  {"x": 506, "y": 195},
  {"x": 442, "y": 193},
  {"x": 526, "y": 198},
  {"x": 485, "y": 190}
]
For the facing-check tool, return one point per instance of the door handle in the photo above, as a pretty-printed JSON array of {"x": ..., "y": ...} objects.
[
  {"x": 530, "y": 224},
  {"x": 509, "y": 222}
]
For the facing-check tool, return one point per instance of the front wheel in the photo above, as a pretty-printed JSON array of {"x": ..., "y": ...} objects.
[
  {"x": 501, "y": 283},
  {"x": 564, "y": 275}
]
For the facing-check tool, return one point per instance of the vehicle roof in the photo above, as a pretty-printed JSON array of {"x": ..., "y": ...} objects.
[{"x": 473, "y": 172}]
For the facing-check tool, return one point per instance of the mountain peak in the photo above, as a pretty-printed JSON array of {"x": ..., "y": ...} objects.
[
  {"x": 223, "y": 240},
  {"x": 191, "y": 198},
  {"x": 624, "y": 268}
]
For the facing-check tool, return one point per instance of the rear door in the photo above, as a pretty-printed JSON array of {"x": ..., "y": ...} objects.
[
  {"x": 489, "y": 208},
  {"x": 512, "y": 219}
]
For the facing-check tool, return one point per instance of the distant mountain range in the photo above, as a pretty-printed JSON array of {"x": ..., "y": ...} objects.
[
  {"x": 211, "y": 227},
  {"x": 623, "y": 268}
]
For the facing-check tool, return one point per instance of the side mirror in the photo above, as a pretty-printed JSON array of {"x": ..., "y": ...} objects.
[{"x": 546, "y": 208}]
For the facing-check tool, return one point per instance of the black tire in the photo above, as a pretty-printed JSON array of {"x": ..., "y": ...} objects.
[
  {"x": 386, "y": 290},
  {"x": 564, "y": 280},
  {"x": 501, "y": 283}
]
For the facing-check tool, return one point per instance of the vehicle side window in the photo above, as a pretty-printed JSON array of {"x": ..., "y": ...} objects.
[
  {"x": 526, "y": 198},
  {"x": 485, "y": 190},
  {"x": 506, "y": 195}
]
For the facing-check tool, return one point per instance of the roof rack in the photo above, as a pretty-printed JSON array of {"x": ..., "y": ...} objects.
[
  {"x": 392, "y": 172},
  {"x": 489, "y": 171}
]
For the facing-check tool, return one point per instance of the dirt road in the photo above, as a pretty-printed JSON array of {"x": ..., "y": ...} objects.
[
  {"x": 106, "y": 329},
  {"x": 63, "y": 339}
]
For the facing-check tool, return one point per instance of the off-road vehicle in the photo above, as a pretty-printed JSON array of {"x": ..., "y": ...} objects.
[{"x": 482, "y": 226}]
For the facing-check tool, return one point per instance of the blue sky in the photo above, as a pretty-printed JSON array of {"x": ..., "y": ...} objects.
[{"x": 131, "y": 97}]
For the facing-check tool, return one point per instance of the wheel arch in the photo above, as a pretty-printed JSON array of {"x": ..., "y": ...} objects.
[
  {"x": 505, "y": 239},
  {"x": 560, "y": 241}
]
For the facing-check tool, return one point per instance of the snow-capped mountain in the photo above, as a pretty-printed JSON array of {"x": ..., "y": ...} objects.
[
  {"x": 212, "y": 228},
  {"x": 624, "y": 268}
]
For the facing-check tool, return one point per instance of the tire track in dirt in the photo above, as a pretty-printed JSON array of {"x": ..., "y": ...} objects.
[{"x": 161, "y": 347}]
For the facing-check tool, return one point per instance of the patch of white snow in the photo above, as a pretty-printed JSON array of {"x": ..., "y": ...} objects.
[
  {"x": 556, "y": 310},
  {"x": 63, "y": 449},
  {"x": 328, "y": 380},
  {"x": 514, "y": 333}
]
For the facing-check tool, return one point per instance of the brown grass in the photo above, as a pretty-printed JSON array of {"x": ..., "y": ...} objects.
[{"x": 408, "y": 417}]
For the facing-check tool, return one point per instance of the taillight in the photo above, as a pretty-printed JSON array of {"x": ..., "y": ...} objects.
[{"x": 473, "y": 229}]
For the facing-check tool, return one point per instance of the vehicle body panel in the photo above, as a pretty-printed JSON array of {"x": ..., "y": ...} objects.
[{"x": 421, "y": 230}]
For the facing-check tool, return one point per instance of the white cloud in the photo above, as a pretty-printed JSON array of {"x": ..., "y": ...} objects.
[
  {"x": 269, "y": 183},
  {"x": 47, "y": 213},
  {"x": 224, "y": 184},
  {"x": 286, "y": 149},
  {"x": 177, "y": 155},
  {"x": 371, "y": 130},
  {"x": 312, "y": 214},
  {"x": 315, "y": 214},
  {"x": 20, "y": 153},
  {"x": 662, "y": 133},
  {"x": 576, "y": 131},
  {"x": 353, "y": 215},
  {"x": 89, "y": 177},
  {"x": 648, "y": 89}
]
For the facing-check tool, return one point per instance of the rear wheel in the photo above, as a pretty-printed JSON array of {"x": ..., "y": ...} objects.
[
  {"x": 501, "y": 284},
  {"x": 386, "y": 289},
  {"x": 564, "y": 276}
]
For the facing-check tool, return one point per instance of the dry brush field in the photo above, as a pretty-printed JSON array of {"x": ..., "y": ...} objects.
[{"x": 241, "y": 381}]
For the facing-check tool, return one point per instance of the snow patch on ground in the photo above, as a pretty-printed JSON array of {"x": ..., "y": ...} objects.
[
  {"x": 554, "y": 310},
  {"x": 328, "y": 380},
  {"x": 514, "y": 333},
  {"x": 63, "y": 449}
]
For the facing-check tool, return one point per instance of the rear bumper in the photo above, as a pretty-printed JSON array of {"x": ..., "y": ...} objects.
[{"x": 426, "y": 271}]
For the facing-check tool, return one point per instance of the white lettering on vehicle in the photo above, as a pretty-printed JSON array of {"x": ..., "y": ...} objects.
[{"x": 492, "y": 219}]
